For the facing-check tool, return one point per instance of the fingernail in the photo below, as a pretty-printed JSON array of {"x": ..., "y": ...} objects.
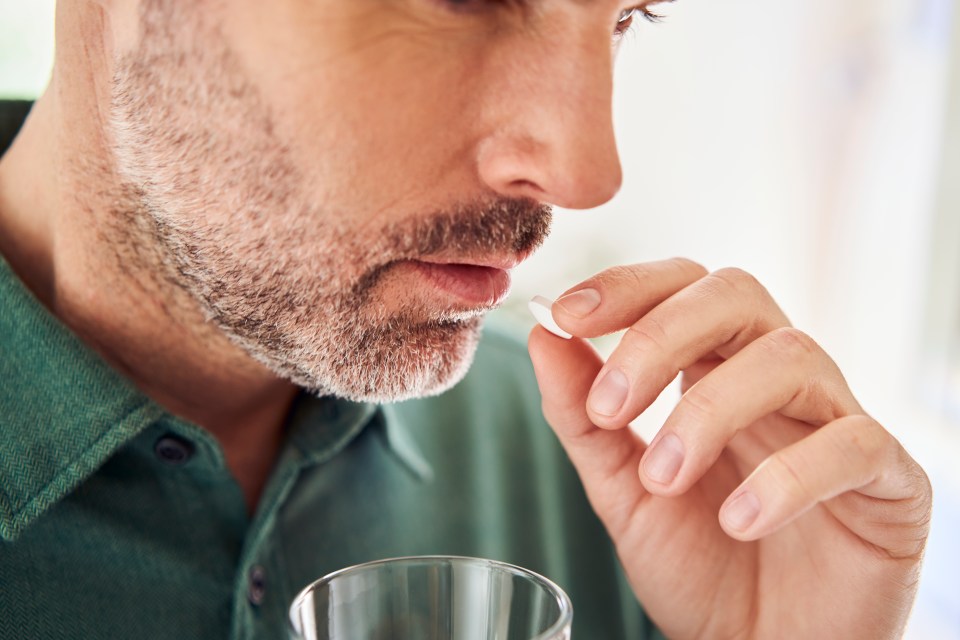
[
  {"x": 742, "y": 511},
  {"x": 610, "y": 394},
  {"x": 662, "y": 463},
  {"x": 580, "y": 303}
]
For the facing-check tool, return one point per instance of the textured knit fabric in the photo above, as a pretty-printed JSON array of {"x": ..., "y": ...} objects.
[{"x": 104, "y": 533}]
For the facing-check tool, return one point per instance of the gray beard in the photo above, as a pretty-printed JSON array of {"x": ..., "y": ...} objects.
[{"x": 295, "y": 287}]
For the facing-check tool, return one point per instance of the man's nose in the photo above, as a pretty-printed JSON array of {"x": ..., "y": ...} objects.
[{"x": 553, "y": 137}]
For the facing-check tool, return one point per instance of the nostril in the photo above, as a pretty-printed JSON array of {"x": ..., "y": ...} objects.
[{"x": 528, "y": 187}]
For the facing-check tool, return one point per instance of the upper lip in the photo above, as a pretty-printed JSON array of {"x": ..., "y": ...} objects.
[{"x": 504, "y": 262}]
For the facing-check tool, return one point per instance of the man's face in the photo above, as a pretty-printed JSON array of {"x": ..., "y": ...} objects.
[{"x": 342, "y": 185}]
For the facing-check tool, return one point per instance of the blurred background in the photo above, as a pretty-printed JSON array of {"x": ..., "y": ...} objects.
[{"x": 815, "y": 144}]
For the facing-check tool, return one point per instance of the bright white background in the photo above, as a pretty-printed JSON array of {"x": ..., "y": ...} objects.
[{"x": 807, "y": 141}]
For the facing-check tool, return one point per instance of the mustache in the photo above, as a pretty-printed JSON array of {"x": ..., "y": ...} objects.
[
  {"x": 512, "y": 226},
  {"x": 507, "y": 225}
]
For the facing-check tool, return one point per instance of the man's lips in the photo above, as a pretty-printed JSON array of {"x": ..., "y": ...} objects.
[{"x": 476, "y": 285}]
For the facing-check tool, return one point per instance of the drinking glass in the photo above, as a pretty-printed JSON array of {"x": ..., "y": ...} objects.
[{"x": 432, "y": 598}]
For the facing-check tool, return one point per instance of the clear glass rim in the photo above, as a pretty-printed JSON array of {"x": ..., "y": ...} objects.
[{"x": 564, "y": 618}]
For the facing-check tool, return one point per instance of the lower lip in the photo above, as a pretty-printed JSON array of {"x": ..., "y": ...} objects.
[{"x": 477, "y": 286}]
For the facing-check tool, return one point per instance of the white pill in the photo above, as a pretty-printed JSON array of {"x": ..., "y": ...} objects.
[{"x": 540, "y": 308}]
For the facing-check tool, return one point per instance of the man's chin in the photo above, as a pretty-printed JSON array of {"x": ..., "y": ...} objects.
[{"x": 392, "y": 365}]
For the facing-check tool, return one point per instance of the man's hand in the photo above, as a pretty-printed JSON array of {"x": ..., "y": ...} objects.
[{"x": 770, "y": 505}]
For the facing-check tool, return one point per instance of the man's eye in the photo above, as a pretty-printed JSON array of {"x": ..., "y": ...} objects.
[
  {"x": 627, "y": 16},
  {"x": 624, "y": 22}
]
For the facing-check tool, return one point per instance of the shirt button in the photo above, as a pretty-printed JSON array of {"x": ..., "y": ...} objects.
[
  {"x": 257, "y": 585},
  {"x": 173, "y": 450}
]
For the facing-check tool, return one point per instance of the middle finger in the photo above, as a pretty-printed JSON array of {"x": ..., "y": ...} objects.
[{"x": 718, "y": 314}]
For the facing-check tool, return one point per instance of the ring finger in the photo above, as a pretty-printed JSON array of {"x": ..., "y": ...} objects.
[{"x": 783, "y": 372}]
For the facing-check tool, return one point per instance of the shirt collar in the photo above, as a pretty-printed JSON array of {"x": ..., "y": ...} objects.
[
  {"x": 320, "y": 428},
  {"x": 63, "y": 410}
]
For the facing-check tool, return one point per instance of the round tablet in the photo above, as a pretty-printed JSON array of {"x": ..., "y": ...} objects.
[{"x": 540, "y": 308}]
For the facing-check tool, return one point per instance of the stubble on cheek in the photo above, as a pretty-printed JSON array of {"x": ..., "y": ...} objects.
[{"x": 214, "y": 211}]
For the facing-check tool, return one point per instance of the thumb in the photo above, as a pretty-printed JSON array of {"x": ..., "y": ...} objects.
[{"x": 607, "y": 461}]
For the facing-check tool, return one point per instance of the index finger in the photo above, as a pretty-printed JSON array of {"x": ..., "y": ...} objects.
[{"x": 649, "y": 284}]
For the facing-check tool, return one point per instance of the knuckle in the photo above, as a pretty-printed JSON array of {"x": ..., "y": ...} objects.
[
  {"x": 641, "y": 274},
  {"x": 649, "y": 334},
  {"x": 923, "y": 481},
  {"x": 795, "y": 344},
  {"x": 747, "y": 291},
  {"x": 919, "y": 508},
  {"x": 740, "y": 281},
  {"x": 874, "y": 441},
  {"x": 783, "y": 471},
  {"x": 726, "y": 285},
  {"x": 916, "y": 477},
  {"x": 861, "y": 443},
  {"x": 868, "y": 449},
  {"x": 700, "y": 403},
  {"x": 922, "y": 484},
  {"x": 634, "y": 275},
  {"x": 690, "y": 266}
]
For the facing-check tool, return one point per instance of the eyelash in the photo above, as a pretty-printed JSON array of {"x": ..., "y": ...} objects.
[{"x": 626, "y": 19}]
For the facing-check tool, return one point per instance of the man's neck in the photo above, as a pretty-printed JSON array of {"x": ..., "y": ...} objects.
[{"x": 58, "y": 231}]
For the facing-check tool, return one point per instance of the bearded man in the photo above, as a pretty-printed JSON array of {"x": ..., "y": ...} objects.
[{"x": 235, "y": 233}]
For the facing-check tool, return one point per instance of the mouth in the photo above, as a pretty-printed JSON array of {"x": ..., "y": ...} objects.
[{"x": 476, "y": 285}]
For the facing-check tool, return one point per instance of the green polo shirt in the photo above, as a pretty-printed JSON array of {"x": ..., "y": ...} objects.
[{"x": 120, "y": 520}]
